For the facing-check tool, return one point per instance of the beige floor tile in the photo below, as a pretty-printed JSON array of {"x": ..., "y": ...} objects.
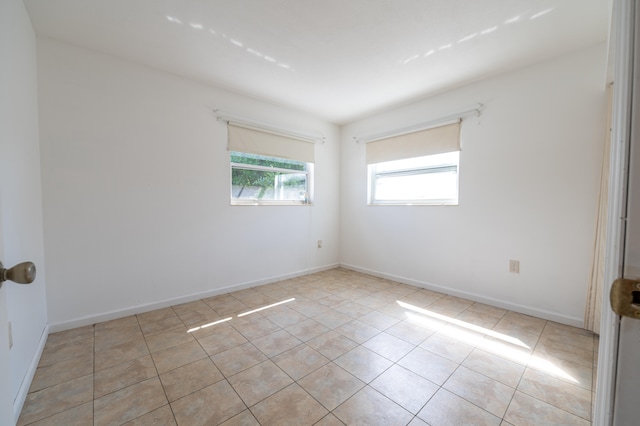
[
  {"x": 390, "y": 347},
  {"x": 69, "y": 336},
  {"x": 366, "y": 365},
  {"x": 82, "y": 415},
  {"x": 177, "y": 356},
  {"x": 129, "y": 403},
  {"x": 156, "y": 315},
  {"x": 447, "y": 347},
  {"x": 307, "y": 329},
  {"x": 332, "y": 318},
  {"x": 479, "y": 319},
  {"x": 162, "y": 416},
  {"x": 329, "y": 420},
  {"x": 197, "y": 408},
  {"x": 357, "y": 331},
  {"x": 562, "y": 369},
  {"x": 417, "y": 421},
  {"x": 62, "y": 352},
  {"x": 63, "y": 371},
  {"x": 353, "y": 309},
  {"x": 123, "y": 375},
  {"x": 428, "y": 365},
  {"x": 258, "y": 382},
  {"x": 369, "y": 407},
  {"x": 120, "y": 353},
  {"x": 221, "y": 341},
  {"x": 230, "y": 308},
  {"x": 56, "y": 399},
  {"x": 309, "y": 308},
  {"x": 495, "y": 367},
  {"x": 165, "y": 339},
  {"x": 300, "y": 361},
  {"x": 413, "y": 333},
  {"x": 331, "y": 385},
  {"x": 480, "y": 390},
  {"x": 405, "y": 388},
  {"x": 128, "y": 321},
  {"x": 240, "y": 358},
  {"x": 515, "y": 323},
  {"x": 287, "y": 317},
  {"x": 378, "y": 320},
  {"x": 447, "y": 409},
  {"x": 257, "y": 329},
  {"x": 160, "y": 325},
  {"x": 332, "y": 344},
  {"x": 525, "y": 410},
  {"x": 567, "y": 352},
  {"x": 243, "y": 419},
  {"x": 108, "y": 337},
  {"x": 276, "y": 343},
  {"x": 568, "y": 397},
  {"x": 190, "y": 378},
  {"x": 291, "y": 406}
]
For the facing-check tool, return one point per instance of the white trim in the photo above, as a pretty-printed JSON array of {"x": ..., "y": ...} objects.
[
  {"x": 622, "y": 25},
  {"x": 21, "y": 397},
  {"x": 139, "y": 309},
  {"x": 527, "y": 310}
]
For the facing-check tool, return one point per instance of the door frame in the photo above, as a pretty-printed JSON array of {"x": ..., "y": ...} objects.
[{"x": 621, "y": 51}]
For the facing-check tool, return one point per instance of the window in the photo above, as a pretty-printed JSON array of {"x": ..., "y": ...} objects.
[
  {"x": 268, "y": 180},
  {"x": 268, "y": 167},
  {"x": 431, "y": 179},
  {"x": 419, "y": 167}
]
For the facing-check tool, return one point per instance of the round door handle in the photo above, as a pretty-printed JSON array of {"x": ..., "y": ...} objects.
[{"x": 22, "y": 273}]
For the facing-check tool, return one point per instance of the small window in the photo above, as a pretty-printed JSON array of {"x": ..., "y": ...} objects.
[
  {"x": 430, "y": 179},
  {"x": 259, "y": 179}
]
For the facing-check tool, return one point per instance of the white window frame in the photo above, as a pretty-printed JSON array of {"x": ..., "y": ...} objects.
[
  {"x": 308, "y": 171},
  {"x": 373, "y": 175}
]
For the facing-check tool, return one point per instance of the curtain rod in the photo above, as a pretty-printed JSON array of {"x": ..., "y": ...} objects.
[
  {"x": 232, "y": 118},
  {"x": 476, "y": 110}
]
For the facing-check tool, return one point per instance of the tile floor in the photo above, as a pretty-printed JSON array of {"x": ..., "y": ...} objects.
[{"x": 340, "y": 348}]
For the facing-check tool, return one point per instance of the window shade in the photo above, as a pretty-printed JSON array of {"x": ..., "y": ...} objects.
[
  {"x": 435, "y": 140},
  {"x": 254, "y": 141}
]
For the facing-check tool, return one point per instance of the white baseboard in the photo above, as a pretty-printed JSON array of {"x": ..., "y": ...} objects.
[
  {"x": 527, "y": 310},
  {"x": 139, "y": 309},
  {"x": 21, "y": 397}
]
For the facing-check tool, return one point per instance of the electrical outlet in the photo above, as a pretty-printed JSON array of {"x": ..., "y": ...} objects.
[
  {"x": 319, "y": 243},
  {"x": 10, "y": 336},
  {"x": 514, "y": 266}
]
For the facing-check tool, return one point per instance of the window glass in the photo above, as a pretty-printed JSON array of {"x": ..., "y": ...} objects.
[
  {"x": 432, "y": 179},
  {"x": 259, "y": 179}
]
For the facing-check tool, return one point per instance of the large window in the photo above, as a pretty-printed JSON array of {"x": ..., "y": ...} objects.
[
  {"x": 431, "y": 179},
  {"x": 269, "y": 167},
  {"x": 269, "y": 180},
  {"x": 419, "y": 167}
]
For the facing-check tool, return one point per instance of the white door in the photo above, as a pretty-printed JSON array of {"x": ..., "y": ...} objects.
[{"x": 617, "y": 396}]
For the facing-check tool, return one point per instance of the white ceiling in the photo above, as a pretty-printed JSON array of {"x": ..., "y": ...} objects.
[{"x": 337, "y": 59}]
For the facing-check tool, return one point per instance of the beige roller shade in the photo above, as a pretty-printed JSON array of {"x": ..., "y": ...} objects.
[
  {"x": 254, "y": 141},
  {"x": 436, "y": 140}
]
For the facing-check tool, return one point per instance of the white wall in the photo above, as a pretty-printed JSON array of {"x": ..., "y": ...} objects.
[
  {"x": 21, "y": 235},
  {"x": 136, "y": 191},
  {"x": 529, "y": 173}
]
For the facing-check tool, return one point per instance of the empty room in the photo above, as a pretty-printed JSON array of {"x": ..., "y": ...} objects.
[{"x": 271, "y": 212}]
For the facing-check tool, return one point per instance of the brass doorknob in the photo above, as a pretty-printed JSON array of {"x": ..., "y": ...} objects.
[{"x": 22, "y": 273}]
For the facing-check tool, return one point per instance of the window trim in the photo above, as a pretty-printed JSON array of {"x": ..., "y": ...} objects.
[
  {"x": 441, "y": 168},
  {"x": 308, "y": 171}
]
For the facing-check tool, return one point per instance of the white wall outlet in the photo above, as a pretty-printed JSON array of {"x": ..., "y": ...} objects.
[
  {"x": 319, "y": 243},
  {"x": 514, "y": 266},
  {"x": 10, "y": 336}
]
